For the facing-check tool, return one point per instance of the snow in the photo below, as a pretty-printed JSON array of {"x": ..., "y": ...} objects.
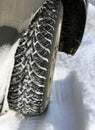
[
  {"x": 72, "y": 102},
  {"x": 3, "y": 55},
  {"x": 7, "y": 63}
]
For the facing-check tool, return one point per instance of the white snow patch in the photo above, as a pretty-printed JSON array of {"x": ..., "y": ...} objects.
[
  {"x": 6, "y": 62},
  {"x": 10, "y": 121}
]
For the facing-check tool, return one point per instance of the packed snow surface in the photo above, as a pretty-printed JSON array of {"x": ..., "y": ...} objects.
[{"x": 72, "y": 102}]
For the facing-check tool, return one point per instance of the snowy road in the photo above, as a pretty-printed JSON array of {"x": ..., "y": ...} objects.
[{"x": 72, "y": 103}]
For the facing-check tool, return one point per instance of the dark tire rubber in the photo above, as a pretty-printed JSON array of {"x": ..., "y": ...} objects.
[{"x": 32, "y": 74}]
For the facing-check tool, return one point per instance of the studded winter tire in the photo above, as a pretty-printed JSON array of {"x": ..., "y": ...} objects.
[{"x": 35, "y": 56}]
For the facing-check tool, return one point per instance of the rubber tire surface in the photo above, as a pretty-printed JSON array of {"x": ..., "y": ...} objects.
[{"x": 32, "y": 74}]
